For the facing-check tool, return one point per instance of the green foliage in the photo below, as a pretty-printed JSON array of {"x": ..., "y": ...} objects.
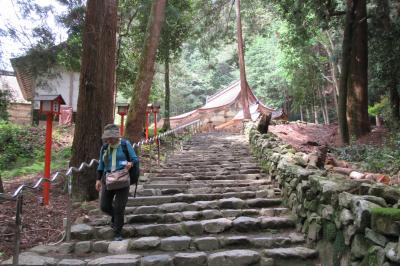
[
  {"x": 12, "y": 145},
  {"x": 263, "y": 71},
  {"x": 384, "y": 48},
  {"x": 391, "y": 213},
  {"x": 379, "y": 107},
  {"x": 175, "y": 30},
  {"x": 5, "y": 97},
  {"x": 382, "y": 109},
  {"x": 134, "y": 16},
  {"x": 22, "y": 150},
  {"x": 385, "y": 159},
  {"x": 59, "y": 160},
  {"x": 42, "y": 50}
]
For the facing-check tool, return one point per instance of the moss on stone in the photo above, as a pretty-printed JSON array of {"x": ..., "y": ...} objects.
[
  {"x": 375, "y": 257},
  {"x": 329, "y": 231},
  {"x": 339, "y": 248},
  {"x": 265, "y": 166},
  {"x": 391, "y": 213}
]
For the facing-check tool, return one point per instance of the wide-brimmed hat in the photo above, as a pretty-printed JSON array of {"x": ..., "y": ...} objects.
[{"x": 111, "y": 131}]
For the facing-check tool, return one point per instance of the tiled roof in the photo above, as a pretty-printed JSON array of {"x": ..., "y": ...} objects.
[
  {"x": 10, "y": 83},
  {"x": 226, "y": 97},
  {"x": 183, "y": 115},
  {"x": 223, "y": 97},
  {"x": 24, "y": 78}
]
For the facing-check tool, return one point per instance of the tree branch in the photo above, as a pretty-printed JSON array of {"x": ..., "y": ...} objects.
[
  {"x": 129, "y": 24},
  {"x": 326, "y": 77},
  {"x": 332, "y": 12}
]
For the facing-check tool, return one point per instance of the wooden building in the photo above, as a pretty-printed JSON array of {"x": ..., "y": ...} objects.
[
  {"x": 55, "y": 81},
  {"x": 19, "y": 110},
  {"x": 222, "y": 111}
]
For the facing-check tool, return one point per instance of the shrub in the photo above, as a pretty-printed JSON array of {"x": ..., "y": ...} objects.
[
  {"x": 19, "y": 145},
  {"x": 384, "y": 159},
  {"x": 5, "y": 97},
  {"x": 11, "y": 146}
]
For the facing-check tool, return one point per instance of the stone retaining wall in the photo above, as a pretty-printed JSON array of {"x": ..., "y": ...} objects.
[{"x": 350, "y": 222}]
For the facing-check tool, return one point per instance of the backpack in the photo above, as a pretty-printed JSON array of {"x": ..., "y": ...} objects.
[{"x": 134, "y": 172}]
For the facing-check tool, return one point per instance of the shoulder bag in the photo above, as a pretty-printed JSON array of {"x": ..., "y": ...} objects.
[{"x": 117, "y": 179}]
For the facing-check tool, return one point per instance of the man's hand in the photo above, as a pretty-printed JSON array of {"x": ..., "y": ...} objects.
[
  {"x": 98, "y": 185},
  {"x": 128, "y": 165}
]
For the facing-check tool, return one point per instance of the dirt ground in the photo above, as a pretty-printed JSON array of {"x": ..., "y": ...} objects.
[
  {"x": 306, "y": 137},
  {"x": 41, "y": 225}
]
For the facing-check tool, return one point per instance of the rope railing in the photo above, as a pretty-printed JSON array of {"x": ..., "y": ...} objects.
[{"x": 18, "y": 193}]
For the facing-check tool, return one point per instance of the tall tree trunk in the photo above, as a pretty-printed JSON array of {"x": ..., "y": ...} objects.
[
  {"x": 320, "y": 103},
  {"x": 243, "y": 81},
  {"x": 316, "y": 114},
  {"x": 95, "y": 100},
  {"x": 314, "y": 108},
  {"x": 357, "y": 98},
  {"x": 394, "y": 101},
  {"x": 167, "y": 125},
  {"x": 323, "y": 113},
  {"x": 324, "y": 107},
  {"x": 346, "y": 53},
  {"x": 390, "y": 66},
  {"x": 1, "y": 185},
  {"x": 308, "y": 115},
  {"x": 144, "y": 80},
  {"x": 378, "y": 121},
  {"x": 301, "y": 113},
  {"x": 334, "y": 70},
  {"x": 335, "y": 100}
]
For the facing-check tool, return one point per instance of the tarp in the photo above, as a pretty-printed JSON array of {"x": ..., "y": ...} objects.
[{"x": 65, "y": 115}]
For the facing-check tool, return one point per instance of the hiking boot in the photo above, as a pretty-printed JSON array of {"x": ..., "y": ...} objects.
[
  {"x": 118, "y": 237},
  {"x": 113, "y": 226}
]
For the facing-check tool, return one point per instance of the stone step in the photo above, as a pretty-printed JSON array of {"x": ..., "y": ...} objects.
[
  {"x": 199, "y": 163},
  {"x": 206, "y": 176},
  {"x": 196, "y": 168},
  {"x": 300, "y": 253},
  {"x": 143, "y": 245},
  {"x": 224, "y": 204},
  {"x": 189, "y": 198},
  {"x": 228, "y": 205},
  {"x": 236, "y": 257},
  {"x": 210, "y": 183},
  {"x": 199, "y": 187},
  {"x": 164, "y": 185},
  {"x": 175, "y": 217},
  {"x": 241, "y": 224},
  {"x": 174, "y": 191},
  {"x": 241, "y": 175},
  {"x": 120, "y": 256},
  {"x": 207, "y": 189}
]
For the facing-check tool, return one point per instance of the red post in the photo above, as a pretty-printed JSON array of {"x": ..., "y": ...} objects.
[
  {"x": 158, "y": 141},
  {"x": 121, "y": 129},
  {"x": 47, "y": 158},
  {"x": 147, "y": 125},
  {"x": 155, "y": 124}
]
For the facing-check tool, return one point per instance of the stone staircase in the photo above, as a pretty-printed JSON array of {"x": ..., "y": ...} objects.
[{"x": 208, "y": 204}]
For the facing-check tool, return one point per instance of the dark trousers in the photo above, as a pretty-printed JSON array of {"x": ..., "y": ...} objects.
[{"x": 113, "y": 203}]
